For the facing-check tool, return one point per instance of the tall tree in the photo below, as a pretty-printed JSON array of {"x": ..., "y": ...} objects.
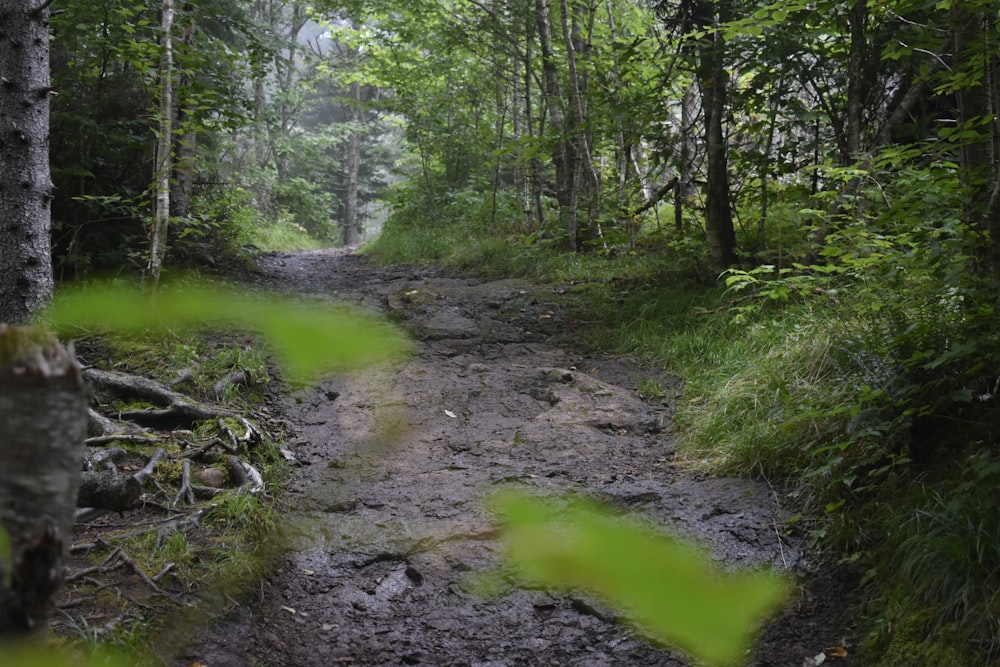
[
  {"x": 352, "y": 105},
  {"x": 554, "y": 101},
  {"x": 720, "y": 236},
  {"x": 163, "y": 160},
  {"x": 25, "y": 183}
]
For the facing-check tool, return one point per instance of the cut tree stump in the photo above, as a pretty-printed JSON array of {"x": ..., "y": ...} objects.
[{"x": 43, "y": 423}]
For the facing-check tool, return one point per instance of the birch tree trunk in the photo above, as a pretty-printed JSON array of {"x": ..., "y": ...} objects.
[
  {"x": 162, "y": 162},
  {"x": 685, "y": 189},
  {"x": 25, "y": 182}
]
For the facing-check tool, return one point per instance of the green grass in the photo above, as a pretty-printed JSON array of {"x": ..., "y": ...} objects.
[{"x": 281, "y": 236}]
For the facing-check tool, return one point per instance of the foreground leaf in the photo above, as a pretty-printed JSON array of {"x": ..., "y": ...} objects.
[
  {"x": 668, "y": 588},
  {"x": 309, "y": 340}
]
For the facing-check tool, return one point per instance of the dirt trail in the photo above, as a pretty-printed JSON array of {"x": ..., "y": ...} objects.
[{"x": 386, "y": 520}]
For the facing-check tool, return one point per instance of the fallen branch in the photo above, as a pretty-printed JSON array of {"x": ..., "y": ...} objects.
[
  {"x": 245, "y": 474},
  {"x": 157, "y": 456},
  {"x": 136, "y": 438},
  {"x": 204, "y": 449},
  {"x": 142, "y": 575},
  {"x": 110, "y": 455},
  {"x": 185, "y": 492}
]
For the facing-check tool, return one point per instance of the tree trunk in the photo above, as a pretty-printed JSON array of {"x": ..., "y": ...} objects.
[
  {"x": 533, "y": 186},
  {"x": 43, "y": 423},
  {"x": 186, "y": 141},
  {"x": 163, "y": 162},
  {"x": 974, "y": 107},
  {"x": 685, "y": 189},
  {"x": 857, "y": 17},
  {"x": 25, "y": 183},
  {"x": 554, "y": 102},
  {"x": 352, "y": 225},
  {"x": 720, "y": 235},
  {"x": 582, "y": 160}
]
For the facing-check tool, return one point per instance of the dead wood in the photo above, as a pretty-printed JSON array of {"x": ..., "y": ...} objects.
[
  {"x": 206, "y": 492},
  {"x": 654, "y": 200},
  {"x": 98, "y": 424},
  {"x": 185, "y": 491},
  {"x": 108, "y": 490},
  {"x": 245, "y": 474},
  {"x": 199, "y": 452},
  {"x": 234, "y": 379},
  {"x": 117, "y": 559},
  {"x": 157, "y": 456},
  {"x": 107, "y": 456},
  {"x": 136, "y": 438}
]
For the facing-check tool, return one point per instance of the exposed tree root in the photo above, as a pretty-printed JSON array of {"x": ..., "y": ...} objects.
[
  {"x": 152, "y": 459},
  {"x": 178, "y": 409}
]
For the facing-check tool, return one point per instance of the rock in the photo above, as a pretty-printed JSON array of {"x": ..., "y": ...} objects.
[{"x": 211, "y": 477}]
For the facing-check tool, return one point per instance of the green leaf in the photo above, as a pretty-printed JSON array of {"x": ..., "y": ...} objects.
[
  {"x": 309, "y": 339},
  {"x": 6, "y": 557},
  {"x": 667, "y": 587}
]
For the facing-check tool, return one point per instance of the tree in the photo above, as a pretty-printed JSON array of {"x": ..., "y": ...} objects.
[
  {"x": 163, "y": 161},
  {"x": 713, "y": 81},
  {"x": 42, "y": 398},
  {"x": 352, "y": 105},
  {"x": 25, "y": 183}
]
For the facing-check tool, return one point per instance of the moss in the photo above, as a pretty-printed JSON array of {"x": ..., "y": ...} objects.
[
  {"x": 169, "y": 472},
  {"x": 911, "y": 639},
  {"x": 18, "y": 343}
]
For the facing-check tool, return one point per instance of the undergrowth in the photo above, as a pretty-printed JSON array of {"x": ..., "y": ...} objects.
[{"x": 233, "y": 546}]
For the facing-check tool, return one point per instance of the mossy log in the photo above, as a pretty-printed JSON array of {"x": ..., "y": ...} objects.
[{"x": 43, "y": 423}]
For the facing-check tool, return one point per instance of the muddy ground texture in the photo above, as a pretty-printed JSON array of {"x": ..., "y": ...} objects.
[{"x": 386, "y": 523}]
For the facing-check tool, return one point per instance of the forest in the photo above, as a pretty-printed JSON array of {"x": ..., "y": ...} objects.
[{"x": 793, "y": 207}]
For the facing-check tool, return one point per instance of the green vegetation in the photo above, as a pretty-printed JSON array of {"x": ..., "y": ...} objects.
[{"x": 860, "y": 387}]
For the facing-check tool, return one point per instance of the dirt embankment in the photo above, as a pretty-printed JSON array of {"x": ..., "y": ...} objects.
[{"x": 386, "y": 522}]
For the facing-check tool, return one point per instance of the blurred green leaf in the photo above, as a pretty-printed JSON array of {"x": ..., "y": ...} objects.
[
  {"x": 6, "y": 558},
  {"x": 669, "y": 588},
  {"x": 309, "y": 339},
  {"x": 36, "y": 654}
]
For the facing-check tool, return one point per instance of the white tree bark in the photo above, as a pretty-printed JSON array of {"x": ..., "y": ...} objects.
[{"x": 163, "y": 162}]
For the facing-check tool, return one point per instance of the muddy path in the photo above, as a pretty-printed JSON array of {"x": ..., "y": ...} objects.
[{"x": 386, "y": 524}]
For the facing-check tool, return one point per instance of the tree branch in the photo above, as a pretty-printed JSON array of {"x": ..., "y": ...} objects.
[{"x": 40, "y": 8}]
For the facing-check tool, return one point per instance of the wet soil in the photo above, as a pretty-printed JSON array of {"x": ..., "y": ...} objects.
[{"x": 386, "y": 523}]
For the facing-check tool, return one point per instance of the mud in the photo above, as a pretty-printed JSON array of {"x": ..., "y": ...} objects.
[{"x": 387, "y": 526}]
